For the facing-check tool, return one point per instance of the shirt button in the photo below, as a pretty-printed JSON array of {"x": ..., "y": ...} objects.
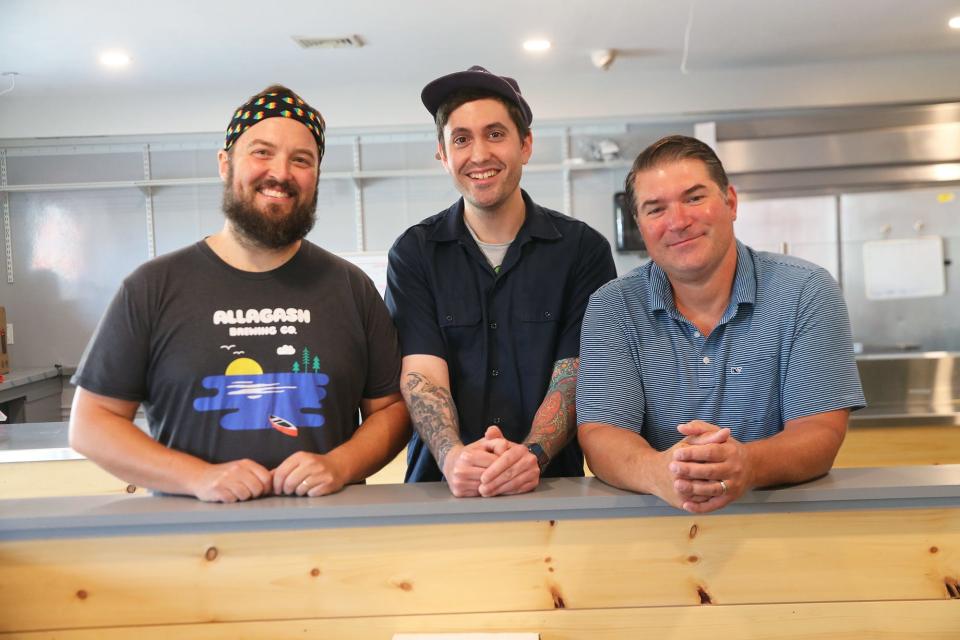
[
  {"x": 495, "y": 373},
  {"x": 547, "y": 315},
  {"x": 495, "y": 421},
  {"x": 449, "y": 318},
  {"x": 696, "y": 334},
  {"x": 706, "y": 360},
  {"x": 493, "y": 325}
]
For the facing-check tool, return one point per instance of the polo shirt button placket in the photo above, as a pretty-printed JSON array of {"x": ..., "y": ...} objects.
[{"x": 706, "y": 372}]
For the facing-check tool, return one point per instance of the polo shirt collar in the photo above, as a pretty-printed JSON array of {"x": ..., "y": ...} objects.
[
  {"x": 745, "y": 280},
  {"x": 536, "y": 224},
  {"x": 660, "y": 293}
]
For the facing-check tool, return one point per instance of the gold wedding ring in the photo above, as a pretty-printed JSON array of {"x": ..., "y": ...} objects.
[{"x": 723, "y": 487}]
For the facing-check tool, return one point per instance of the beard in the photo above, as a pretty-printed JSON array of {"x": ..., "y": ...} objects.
[{"x": 271, "y": 229}]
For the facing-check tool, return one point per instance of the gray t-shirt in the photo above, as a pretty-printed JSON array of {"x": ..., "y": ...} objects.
[{"x": 231, "y": 364}]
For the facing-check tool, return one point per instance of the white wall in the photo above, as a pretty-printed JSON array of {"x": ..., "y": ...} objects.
[{"x": 651, "y": 95}]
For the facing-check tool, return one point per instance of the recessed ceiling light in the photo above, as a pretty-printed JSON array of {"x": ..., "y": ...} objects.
[
  {"x": 954, "y": 22},
  {"x": 114, "y": 58},
  {"x": 536, "y": 45}
]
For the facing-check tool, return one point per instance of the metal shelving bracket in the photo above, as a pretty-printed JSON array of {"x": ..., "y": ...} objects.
[{"x": 7, "y": 233}]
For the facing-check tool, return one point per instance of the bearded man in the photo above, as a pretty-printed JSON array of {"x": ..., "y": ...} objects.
[{"x": 253, "y": 351}]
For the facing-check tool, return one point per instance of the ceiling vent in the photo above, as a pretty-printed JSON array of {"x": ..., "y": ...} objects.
[{"x": 354, "y": 42}]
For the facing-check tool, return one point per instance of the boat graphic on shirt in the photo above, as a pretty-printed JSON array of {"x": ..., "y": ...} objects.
[{"x": 283, "y": 426}]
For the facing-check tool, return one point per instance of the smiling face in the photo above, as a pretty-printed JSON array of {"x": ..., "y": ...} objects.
[
  {"x": 270, "y": 176},
  {"x": 484, "y": 153},
  {"x": 686, "y": 219}
]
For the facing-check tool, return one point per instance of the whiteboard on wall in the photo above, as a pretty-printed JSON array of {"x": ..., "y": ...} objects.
[{"x": 906, "y": 268}]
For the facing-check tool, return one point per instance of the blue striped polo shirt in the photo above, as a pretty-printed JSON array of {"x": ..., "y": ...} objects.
[{"x": 782, "y": 350}]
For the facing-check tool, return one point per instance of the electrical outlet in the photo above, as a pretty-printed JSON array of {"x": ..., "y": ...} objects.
[{"x": 9, "y": 333}]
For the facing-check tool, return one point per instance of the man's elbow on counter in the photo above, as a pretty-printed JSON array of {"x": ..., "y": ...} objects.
[{"x": 77, "y": 436}]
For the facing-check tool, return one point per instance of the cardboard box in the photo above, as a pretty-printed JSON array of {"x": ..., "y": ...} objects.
[{"x": 4, "y": 359}]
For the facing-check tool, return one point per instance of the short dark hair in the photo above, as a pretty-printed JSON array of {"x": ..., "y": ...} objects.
[
  {"x": 672, "y": 149},
  {"x": 459, "y": 98}
]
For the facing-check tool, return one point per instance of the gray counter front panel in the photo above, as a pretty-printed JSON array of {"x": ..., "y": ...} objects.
[{"x": 430, "y": 503}]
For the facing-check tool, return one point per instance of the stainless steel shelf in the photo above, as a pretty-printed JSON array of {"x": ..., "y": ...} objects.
[{"x": 324, "y": 175}]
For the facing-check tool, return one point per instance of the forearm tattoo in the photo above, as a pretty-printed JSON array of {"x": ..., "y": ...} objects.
[
  {"x": 433, "y": 413},
  {"x": 556, "y": 419}
]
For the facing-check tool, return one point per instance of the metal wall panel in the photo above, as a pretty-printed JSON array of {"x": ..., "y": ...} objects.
[
  {"x": 392, "y": 205},
  {"x": 74, "y": 166},
  {"x": 931, "y": 323},
  {"x": 801, "y": 227},
  {"x": 413, "y": 154},
  {"x": 183, "y": 215},
  {"x": 168, "y": 164},
  {"x": 71, "y": 249},
  {"x": 335, "y": 229}
]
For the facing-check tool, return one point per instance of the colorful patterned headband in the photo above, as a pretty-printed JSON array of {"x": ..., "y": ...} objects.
[{"x": 275, "y": 105}]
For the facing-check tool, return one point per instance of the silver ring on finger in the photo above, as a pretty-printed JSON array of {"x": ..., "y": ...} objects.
[{"x": 723, "y": 487}]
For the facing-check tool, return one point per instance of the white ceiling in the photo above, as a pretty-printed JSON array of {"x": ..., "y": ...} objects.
[{"x": 193, "y": 61}]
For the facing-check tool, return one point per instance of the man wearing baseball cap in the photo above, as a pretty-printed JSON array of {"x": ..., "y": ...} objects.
[
  {"x": 252, "y": 350},
  {"x": 488, "y": 297}
]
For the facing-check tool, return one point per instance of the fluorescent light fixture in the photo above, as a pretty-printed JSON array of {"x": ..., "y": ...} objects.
[
  {"x": 947, "y": 172},
  {"x": 536, "y": 45},
  {"x": 114, "y": 58},
  {"x": 954, "y": 22}
]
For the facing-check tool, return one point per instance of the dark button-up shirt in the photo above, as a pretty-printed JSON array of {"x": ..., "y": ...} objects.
[{"x": 500, "y": 334}]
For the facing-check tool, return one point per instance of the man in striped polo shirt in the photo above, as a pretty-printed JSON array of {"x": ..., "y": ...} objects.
[{"x": 713, "y": 368}]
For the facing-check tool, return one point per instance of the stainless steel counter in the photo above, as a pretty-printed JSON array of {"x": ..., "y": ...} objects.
[{"x": 910, "y": 388}]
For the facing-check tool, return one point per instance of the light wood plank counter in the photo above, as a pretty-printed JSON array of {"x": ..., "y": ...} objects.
[{"x": 857, "y": 553}]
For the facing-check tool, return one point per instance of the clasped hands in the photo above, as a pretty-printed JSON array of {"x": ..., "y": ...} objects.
[
  {"x": 302, "y": 474},
  {"x": 707, "y": 470},
  {"x": 491, "y": 466}
]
